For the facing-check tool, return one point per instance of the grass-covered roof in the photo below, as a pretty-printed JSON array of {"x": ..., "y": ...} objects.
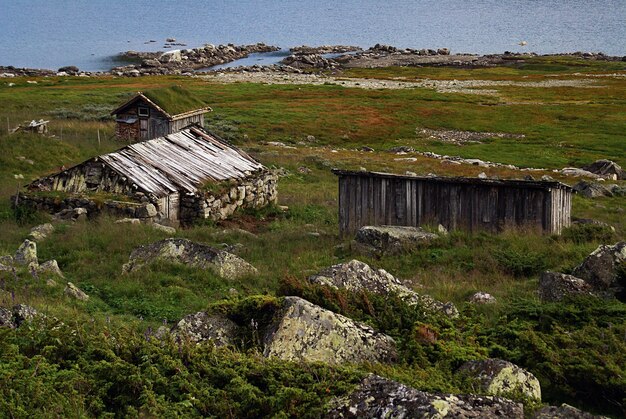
[{"x": 174, "y": 100}]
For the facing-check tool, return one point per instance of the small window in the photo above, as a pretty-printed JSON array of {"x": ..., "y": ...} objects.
[{"x": 143, "y": 111}]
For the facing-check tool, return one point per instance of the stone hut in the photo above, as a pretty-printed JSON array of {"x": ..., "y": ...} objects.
[
  {"x": 158, "y": 112},
  {"x": 175, "y": 179}
]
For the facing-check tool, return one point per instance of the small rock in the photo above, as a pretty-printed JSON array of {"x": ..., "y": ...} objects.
[
  {"x": 23, "y": 313},
  {"x": 40, "y": 232},
  {"x": 128, "y": 221},
  {"x": 304, "y": 170},
  {"x": 50, "y": 268},
  {"x": 200, "y": 327},
  {"x": 73, "y": 291},
  {"x": 482, "y": 298},
  {"x": 26, "y": 254},
  {"x": 166, "y": 229},
  {"x": 482, "y": 175},
  {"x": 442, "y": 230},
  {"x": 366, "y": 149},
  {"x": 146, "y": 211},
  {"x": 71, "y": 214},
  {"x": 6, "y": 318},
  {"x": 499, "y": 377}
]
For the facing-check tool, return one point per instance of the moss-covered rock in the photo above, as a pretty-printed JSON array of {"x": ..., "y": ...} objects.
[{"x": 186, "y": 252}]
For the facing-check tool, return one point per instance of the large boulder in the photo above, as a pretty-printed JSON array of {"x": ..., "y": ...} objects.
[
  {"x": 499, "y": 377},
  {"x": 564, "y": 411},
  {"x": 555, "y": 286},
  {"x": 40, "y": 232},
  {"x": 380, "y": 240},
  {"x": 26, "y": 254},
  {"x": 357, "y": 276},
  {"x": 605, "y": 269},
  {"x": 186, "y": 252},
  {"x": 201, "y": 327},
  {"x": 302, "y": 331},
  {"x": 606, "y": 168},
  {"x": 591, "y": 189},
  {"x": 378, "y": 397}
]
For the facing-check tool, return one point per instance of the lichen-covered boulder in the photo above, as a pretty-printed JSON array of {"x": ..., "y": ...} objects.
[
  {"x": 200, "y": 327},
  {"x": 26, "y": 254},
  {"x": 73, "y": 291},
  {"x": 555, "y": 286},
  {"x": 304, "y": 331},
  {"x": 378, "y": 397},
  {"x": 381, "y": 240},
  {"x": 186, "y": 252},
  {"x": 499, "y": 377},
  {"x": 358, "y": 276},
  {"x": 564, "y": 411},
  {"x": 605, "y": 269},
  {"x": 40, "y": 232}
]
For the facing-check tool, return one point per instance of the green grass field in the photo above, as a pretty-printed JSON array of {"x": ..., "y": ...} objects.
[{"x": 100, "y": 364}]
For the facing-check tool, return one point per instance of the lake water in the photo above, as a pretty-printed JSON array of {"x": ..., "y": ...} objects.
[{"x": 88, "y": 33}]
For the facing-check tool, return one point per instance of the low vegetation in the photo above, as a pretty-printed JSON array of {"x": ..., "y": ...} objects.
[{"x": 103, "y": 357}]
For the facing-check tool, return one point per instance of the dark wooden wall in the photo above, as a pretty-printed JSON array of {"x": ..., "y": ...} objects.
[{"x": 374, "y": 199}]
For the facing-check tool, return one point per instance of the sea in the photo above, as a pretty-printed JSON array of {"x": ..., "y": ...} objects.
[{"x": 91, "y": 33}]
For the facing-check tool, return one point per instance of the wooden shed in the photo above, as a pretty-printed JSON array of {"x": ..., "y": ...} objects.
[
  {"x": 186, "y": 175},
  {"x": 371, "y": 198},
  {"x": 158, "y": 112}
]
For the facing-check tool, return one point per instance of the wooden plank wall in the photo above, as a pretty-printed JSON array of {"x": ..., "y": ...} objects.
[{"x": 372, "y": 200}]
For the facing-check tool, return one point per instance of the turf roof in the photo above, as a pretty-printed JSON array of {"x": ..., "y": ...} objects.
[{"x": 174, "y": 100}]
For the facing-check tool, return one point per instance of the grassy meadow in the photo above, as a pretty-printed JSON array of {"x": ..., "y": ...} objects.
[{"x": 101, "y": 362}]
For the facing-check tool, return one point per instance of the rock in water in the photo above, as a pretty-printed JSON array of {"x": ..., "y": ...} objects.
[
  {"x": 200, "y": 327},
  {"x": 499, "y": 377},
  {"x": 606, "y": 168},
  {"x": 40, "y": 232},
  {"x": 26, "y": 254},
  {"x": 186, "y": 252},
  {"x": 357, "y": 276},
  {"x": 378, "y": 397},
  {"x": 379, "y": 240},
  {"x": 303, "y": 331},
  {"x": 605, "y": 269},
  {"x": 73, "y": 291},
  {"x": 554, "y": 286}
]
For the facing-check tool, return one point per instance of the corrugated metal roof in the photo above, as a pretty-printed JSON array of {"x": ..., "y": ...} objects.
[{"x": 180, "y": 162}]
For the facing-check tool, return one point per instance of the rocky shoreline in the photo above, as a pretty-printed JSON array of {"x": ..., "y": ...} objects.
[{"x": 303, "y": 58}]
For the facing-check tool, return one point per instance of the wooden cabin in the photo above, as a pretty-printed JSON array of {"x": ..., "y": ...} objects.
[
  {"x": 472, "y": 204},
  {"x": 158, "y": 112},
  {"x": 186, "y": 175}
]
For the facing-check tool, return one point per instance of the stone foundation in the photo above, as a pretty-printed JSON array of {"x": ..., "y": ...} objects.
[{"x": 252, "y": 192}]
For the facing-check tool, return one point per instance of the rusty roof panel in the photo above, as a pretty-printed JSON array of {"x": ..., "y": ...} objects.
[{"x": 180, "y": 162}]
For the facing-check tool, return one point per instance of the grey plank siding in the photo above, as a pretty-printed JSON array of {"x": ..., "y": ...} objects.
[{"x": 367, "y": 198}]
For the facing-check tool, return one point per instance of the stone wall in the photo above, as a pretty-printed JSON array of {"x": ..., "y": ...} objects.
[
  {"x": 53, "y": 205},
  {"x": 252, "y": 192}
]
